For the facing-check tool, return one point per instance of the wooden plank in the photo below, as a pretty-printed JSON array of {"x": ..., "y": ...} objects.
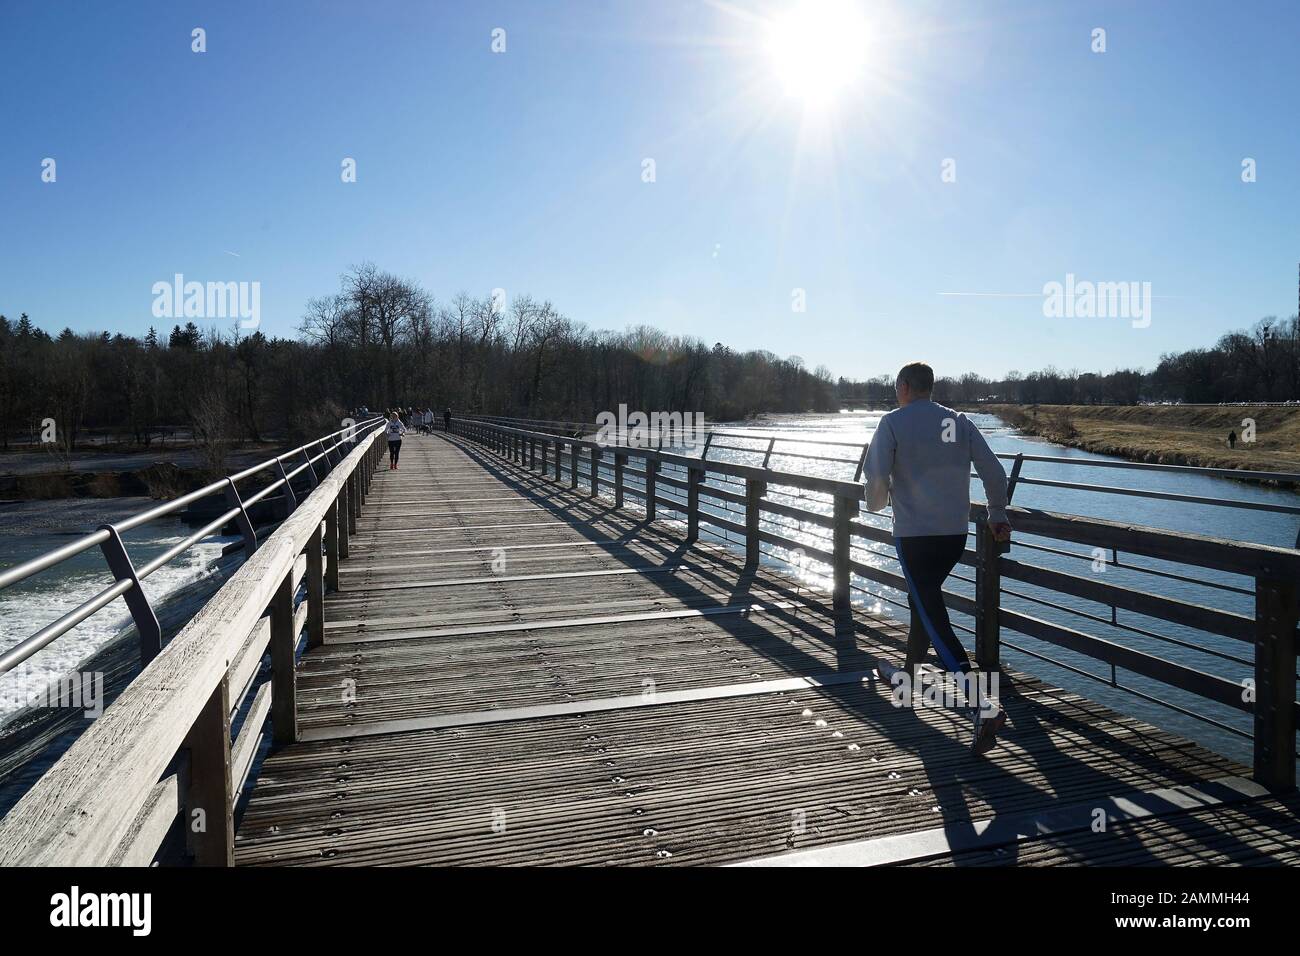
[
  {"x": 285, "y": 627},
  {"x": 250, "y": 737},
  {"x": 156, "y": 817},
  {"x": 755, "y": 608},
  {"x": 1275, "y": 683},
  {"x": 1252, "y": 560},
  {"x": 315, "y": 589},
  {"x": 1000, "y": 831},
  {"x": 657, "y": 699},
  {"x": 209, "y": 806},
  {"x": 248, "y": 660},
  {"x": 1196, "y": 616}
]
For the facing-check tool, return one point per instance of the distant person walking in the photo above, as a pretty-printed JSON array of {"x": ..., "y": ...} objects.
[
  {"x": 1232, "y": 438},
  {"x": 394, "y": 432},
  {"x": 428, "y": 421},
  {"x": 919, "y": 460},
  {"x": 446, "y": 419}
]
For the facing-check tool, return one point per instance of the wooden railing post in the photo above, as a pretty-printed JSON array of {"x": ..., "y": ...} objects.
[
  {"x": 620, "y": 461},
  {"x": 1275, "y": 624},
  {"x": 651, "y": 480},
  {"x": 353, "y": 502},
  {"x": 209, "y": 804},
  {"x": 332, "y": 546},
  {"x": 573, "y": 465},
  {"x": 284, "y": 692},
  {"x": 988, "y": 597},
  {"x": 315, "y": 590},
  {"x": 345, "y": 522},
  {"x": 559, "y": 453},
  {"x": 694, "y": 478},
  {"x": 595, "y": 472},
  {"x": 754, "y": 491},
  {"x": 846, "y": 510}
]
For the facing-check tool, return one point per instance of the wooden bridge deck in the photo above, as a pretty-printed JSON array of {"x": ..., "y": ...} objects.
[{"x": 515, "y": 673}]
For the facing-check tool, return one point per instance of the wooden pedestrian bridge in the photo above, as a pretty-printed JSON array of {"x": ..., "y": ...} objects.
[{"x": 523, "y": 647}]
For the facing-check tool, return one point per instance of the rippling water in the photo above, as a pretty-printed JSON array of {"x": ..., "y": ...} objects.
[
  {"x": 43, "y": 598},
  {"x": 1219, "y": 655}
]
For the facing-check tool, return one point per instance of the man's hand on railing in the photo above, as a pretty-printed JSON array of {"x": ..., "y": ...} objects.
[{"x": 1001, "y": 531}]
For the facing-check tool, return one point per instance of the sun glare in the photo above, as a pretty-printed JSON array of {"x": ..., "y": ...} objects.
[{"x": 818, "y": 49}]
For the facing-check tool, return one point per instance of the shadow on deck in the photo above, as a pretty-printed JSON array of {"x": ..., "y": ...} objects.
[{"x": 516, "y": 673}]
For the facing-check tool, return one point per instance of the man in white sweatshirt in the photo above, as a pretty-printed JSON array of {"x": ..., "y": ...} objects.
[{"x": 919, "y": 461}]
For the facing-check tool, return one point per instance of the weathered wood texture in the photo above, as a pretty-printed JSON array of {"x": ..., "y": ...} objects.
[{"x": 475, "y": 586}]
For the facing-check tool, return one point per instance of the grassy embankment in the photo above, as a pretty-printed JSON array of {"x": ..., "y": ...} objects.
[{"x": 1166, "y": 434}]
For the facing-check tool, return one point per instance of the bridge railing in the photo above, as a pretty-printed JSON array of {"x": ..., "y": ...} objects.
[
  {"x": 773, "y": 449},
  {"x": 802, "y": 519},
  {"x": 165, "y": 749},
  {"x": 306, "y": 462}
]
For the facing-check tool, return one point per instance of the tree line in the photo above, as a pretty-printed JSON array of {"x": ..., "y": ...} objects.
[
  {"x": 381, "y": 341},
  {"x": 1260, "y": 364}
]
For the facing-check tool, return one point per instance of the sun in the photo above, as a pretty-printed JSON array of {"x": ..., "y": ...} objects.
[{"x": 818, "y": 49}]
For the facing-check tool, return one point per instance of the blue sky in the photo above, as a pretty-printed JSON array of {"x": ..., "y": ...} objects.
[{"x": 522, "y": 170}]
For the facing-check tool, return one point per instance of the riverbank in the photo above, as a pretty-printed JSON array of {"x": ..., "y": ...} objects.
[
  {"x": 159, "y": 474},
  {"x": 1167, "y": 434}
]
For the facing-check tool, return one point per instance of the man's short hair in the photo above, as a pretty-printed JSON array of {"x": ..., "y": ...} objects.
[{"x": 917, "y": 376}]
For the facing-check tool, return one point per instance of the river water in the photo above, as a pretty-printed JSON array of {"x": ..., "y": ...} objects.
[{"x": 33, "y": 528}]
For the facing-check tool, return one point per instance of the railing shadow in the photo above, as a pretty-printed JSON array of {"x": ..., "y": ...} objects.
[{"x": 959, "y": 781}]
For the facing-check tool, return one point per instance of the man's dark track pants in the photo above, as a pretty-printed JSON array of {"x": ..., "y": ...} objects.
[{"x": 927, "y": 561}]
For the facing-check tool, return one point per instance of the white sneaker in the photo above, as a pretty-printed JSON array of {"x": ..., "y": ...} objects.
[{"x": 986, "y": 731}]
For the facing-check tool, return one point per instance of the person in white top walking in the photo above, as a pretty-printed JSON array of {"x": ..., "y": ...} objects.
[
  {"x": 919, "y": 462},
  {"x": 394, "y": 431}
]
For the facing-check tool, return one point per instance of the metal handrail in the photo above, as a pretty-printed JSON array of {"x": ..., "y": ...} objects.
[
  {"x": 1187, "y": 470},
  {"x": 1237, "y": 473},
  {"x": 128, "y": 578}
]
